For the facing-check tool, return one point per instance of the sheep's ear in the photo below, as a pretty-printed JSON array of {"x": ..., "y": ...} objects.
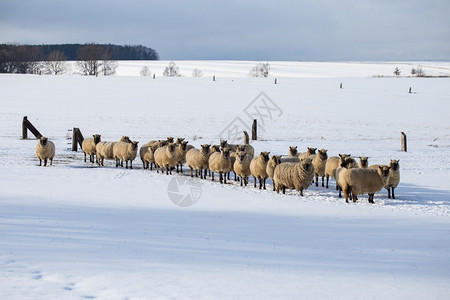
[{"x": 295, "y": 147}]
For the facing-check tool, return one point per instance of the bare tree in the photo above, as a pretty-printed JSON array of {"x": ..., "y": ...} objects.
[
  {"x": 108, "y": 65},
  {"x": 197, "y": 73},
  {"x": 145, "y": 71},
  {"x": 260, "y": 70},
  {"x": 172, "y": 70},
  {"x": 89, "y": 57},
  {"x": 56, "y": 63},
  {"x": 397, "y": 71}
]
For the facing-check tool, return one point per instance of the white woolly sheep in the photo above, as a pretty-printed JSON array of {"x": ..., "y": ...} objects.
[
  {"x": 308, "y": 153},
  {"x": 181, "y": 149},
  {"x": 358, "y": 181},
  {"x": 347, "y": 162},
  {"x": 166, "y": 158},
  {"x": 332, "y": 164},
  {"x": 273, "y": 162},
  {"x": 363, "y": 162},
  {"x": 293, "y": 152},
  {"x": 124, "y": 152},
  {"x": 220, "y": 162},
  {"x": 147, "y": 154},
  {"x": 258, "y": 168},
  {"x": 197, "y": 159},
  {"x": 104, "y": 150},
  {"x": 294, "y": 175},
  {"x": 319, "y": 163},
  {"x": 241, "y": 166},
  {"x": 45, "y": 150},
  {"x": 89, "y": 146}
]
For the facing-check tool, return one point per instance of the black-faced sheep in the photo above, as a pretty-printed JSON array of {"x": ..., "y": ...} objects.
[
  {"x": 45, "y": 150},
  {"x": 258, "y": 168},
  {"x": 198, "y": 159},
  {"x": 220, "y": 162},
  {"x": 89, "y": 147},
  {"x": 294, "y": 175}
]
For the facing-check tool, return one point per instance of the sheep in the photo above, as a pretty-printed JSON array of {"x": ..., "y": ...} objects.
[
  {"x": 169, "y": 139},
  {"x": 197, "y": 159},
  {"x": 123, "y": 151},
  {"x": 225, "y": 144},
  {"x": 241, "y": 166},
  {"x": 166, "y": 158},
  {"x": 332, "y": 164},
  {"x": 394, "y": 176},
  {"x": 45, "y": 150},
  {"x": 308, "y": 153},
  {"x": 88, "y": 146},
  {"x": 358, "y": 181},
  {"x": 346, "y": 162},
  {"x": 294, "y": 175},
  {"x": 293, "y": 152},
  {"x": 319, "y": 163},
  {"x": 220, "y": 162},
  {"x": 258, "y": 168},
  {"x": 363, "y": 162},
  {"x": 247, "y": 149},
  {"x": 181, "y": 149},
  {"x": 105, "y": 150},
  {"x": 159, "y": 143},
  {"x": 274, "y": 161},
  {"x": 147, "y": 154}
]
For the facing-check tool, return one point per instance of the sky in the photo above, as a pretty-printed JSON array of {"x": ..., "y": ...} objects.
[{"x": 286, "y": 30}]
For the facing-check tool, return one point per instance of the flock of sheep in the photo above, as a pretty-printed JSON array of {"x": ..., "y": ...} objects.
[{"x": 293, "y": 171}]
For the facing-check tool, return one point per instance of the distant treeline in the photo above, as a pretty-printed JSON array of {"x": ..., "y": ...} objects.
[{"x": 22, "y": 58}]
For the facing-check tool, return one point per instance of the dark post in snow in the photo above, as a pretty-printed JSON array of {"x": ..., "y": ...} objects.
[
  {"x": 246, "y": 138},
  {"x": 254, "y": 129},
  {"x": 410, "y": 90},
  {"x": 26, "y": 125},
  {"x": 77, "y": 139},
  {"x": 340, "y": 86},
  {"x": 154, "y": 75},
  {"x": 404, "y": 145},
  {"x": 275, "y": 81},
  {"x": 214, "y": 77}
]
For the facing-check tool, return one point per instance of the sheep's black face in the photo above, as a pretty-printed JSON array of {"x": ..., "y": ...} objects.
[
  {"x": 171, "y": 147},
  {"x": 364, "y": 161},
  {"x": 307, "y": 165},
  {"x": 312, "y": 150},
  {"x": 323, "y": 154},
  {"x": 183, "y": 146},
  {"x": 241, "y": 148},
  {"x": 384, "y": 170},
  {"x": 265, "y": 156},
  {"x": 215, "y": 148},
  {"x": 241, "y": 156},
  {"x": 226, "y": 153},
  {"x": 96, "y": 138},
  {"x": 170, "y": 139},
  {"x": 180, "y": 140},
  {"x": 277, "y": 159},
  {"x": 223, "y": 143},
  {"x": 43, "y": 141},
  {"x": 134, "y": 145},
  {"x": 394, "y": 165},
  {"x": 125, "y": 139},
  {"x": 205, "y": 148},
  {"x": 293, "y": 150}
]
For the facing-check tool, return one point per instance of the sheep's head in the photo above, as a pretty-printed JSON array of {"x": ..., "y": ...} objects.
[
  {"x": 384, "y": 170},
  {"x": 241, "y": 148},
  {"x": 162, "y": 143},
  {"x": 97, "y": 138},
  {"x": 348, "y": 162},
  {"x": 312, "y": 150},
  {"x": 276, "y": 159},
  {"x": 323, "y": 154},
  {"x": 223, "y": 143},
  {"x": 394, "y": 164},
  {"x": 205, "y": 148},
  {"x": 241, "y": 156},
  {"x": 215, "y": 148},
  {"x": 226, "y": 153},
  {"x": 265, "y": 156},
  {"x": 344, "y": 155},
  {"x": 179, "y": 140},
  {"x": 171, "y": 147},
  {"x": 364, "y": 161},
  {"x": 125, "y": 139},
  {"x": 169, "y": 139},
  {"x": 43, "y": 141},
  {"x": 134, "y": 145},
  {"x": 293, "y": 150},
  {"x": 306, "y": 164},
  {"x": 183, "y": 145}
]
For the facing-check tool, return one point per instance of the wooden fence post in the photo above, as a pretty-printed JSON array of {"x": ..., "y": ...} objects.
[
  {"x": 246, "y": 138},
  {"x": 77, "y": 139},
  {"x": 26, "y": 125},
  {"x": 254, "y": 130},
  {"x": 404, "y": 144}
]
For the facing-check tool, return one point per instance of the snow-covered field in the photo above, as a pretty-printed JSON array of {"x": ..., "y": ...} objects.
[{"x": 77, "y": 231}]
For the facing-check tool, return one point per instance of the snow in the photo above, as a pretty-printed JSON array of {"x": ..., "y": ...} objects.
[{"x": 77, "y": 231}]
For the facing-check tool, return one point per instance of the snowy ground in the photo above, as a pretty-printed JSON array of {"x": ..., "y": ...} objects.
[{"x": 77, "y": 231}]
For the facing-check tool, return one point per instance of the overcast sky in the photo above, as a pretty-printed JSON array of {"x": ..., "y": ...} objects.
[{"x": 241, "y": 30}]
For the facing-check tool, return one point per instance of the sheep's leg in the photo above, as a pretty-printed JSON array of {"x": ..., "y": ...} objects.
[
  {"x": 340, "y": 190},
  {"x": 317, "y": 180},
  {"x": 389, "y": 192},
  {"x": 246, "y": 181},
  {"x": 328, "y": 179},
  {"x": 337, "y": 186},
  {"x": 273, "y": 182},
  {"x": 254, "y": 181},
  {"x": 371, "y": 198},
  {"x": 393, "y": 195},
  {"x": 225, "y": 178},
  {"x": 260, "y": 182},
  {"x": 264, "y": 183},
  {"x": 151, "y": 166},
  {"x": 323, "y": 178},
  {"x": 51, "y": 164},
  {"x": 85, "y": 157},
  {"x": 212, "y": 175},
  {"x": 170, "y": 169},
  {"x": 45, "y": 162},
  {"x": 192, "y": 173},
  {"x": 242, "y": 182},
  {"x": 301, "y": 191},
  {"x": 346, "y": 194},
  {"x": 40, "y": 162},
  {"x": 284, "y": 190},
  {"x": 181, "y": 168}
]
